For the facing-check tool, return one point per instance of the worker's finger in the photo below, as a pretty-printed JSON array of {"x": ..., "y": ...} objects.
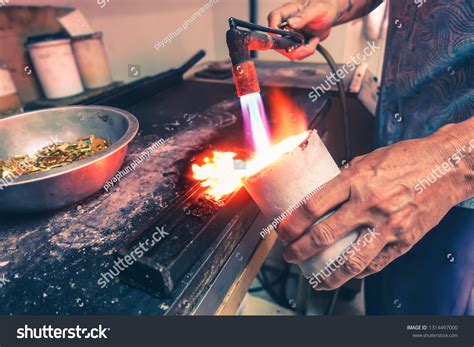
[
  {"x": 353, "y": 261},
  {"x": 357, "y": 159},
  {"x": 316, "y": 16},
  {"x": 325, "y": 233},
  {"x": 305, "y": 51},
  {"x": 278, "y": 16},
  {"x": 330, "y": 196},
  {"x": 379, "y": 262},
  {"x": 388, "y": 254}
]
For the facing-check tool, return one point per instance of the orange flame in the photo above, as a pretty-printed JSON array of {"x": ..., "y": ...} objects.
[
  {"x": 219, "y": 174},
  {"x": 288, "y": 119},
  {"x": 224, "y": 173}
]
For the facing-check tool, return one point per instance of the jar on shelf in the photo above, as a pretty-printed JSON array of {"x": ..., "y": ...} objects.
[
  {"x": 10, "y": 102},
  {"x": 55, "y": 65},
  {"x": 92, "y": 60}
]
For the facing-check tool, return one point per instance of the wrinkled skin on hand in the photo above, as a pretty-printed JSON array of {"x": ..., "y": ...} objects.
[
  {"x": 379, "y": 190},
  {"x": 313, "y": 18}
]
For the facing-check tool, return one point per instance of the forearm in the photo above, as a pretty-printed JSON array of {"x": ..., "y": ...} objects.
[
  {"x": 456, "y": 145},
  {"x": 353, "y": 9}
]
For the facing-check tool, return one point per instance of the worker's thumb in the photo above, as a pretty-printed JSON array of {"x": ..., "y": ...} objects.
[{"x": 316, "y": 17}]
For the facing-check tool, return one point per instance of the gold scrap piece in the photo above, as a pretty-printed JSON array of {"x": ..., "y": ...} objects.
[{"x": 53, "y": 156}]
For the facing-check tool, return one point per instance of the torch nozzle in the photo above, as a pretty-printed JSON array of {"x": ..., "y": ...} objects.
[
  {"x": 245, "y": 78},
  {"x": 242, "y": 37}
]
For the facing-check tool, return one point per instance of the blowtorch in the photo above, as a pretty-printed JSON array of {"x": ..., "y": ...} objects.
[
  {"x": 240, "y": 42},
  {"x": 243, "y": 37}
]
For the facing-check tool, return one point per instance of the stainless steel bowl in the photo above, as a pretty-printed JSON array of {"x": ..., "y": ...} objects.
[{"x": 28, "y": 132}]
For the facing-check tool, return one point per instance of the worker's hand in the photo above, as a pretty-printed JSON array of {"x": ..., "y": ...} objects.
[
  {"x": 388, "y": 192},
  {"x": 312, "y": 17}
]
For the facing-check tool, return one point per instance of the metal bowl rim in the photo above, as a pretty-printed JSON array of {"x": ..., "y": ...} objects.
[{"x": 128, "y": 136}]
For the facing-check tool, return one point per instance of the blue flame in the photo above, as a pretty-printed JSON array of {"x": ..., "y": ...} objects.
[{"x": 256, "y": 128}]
